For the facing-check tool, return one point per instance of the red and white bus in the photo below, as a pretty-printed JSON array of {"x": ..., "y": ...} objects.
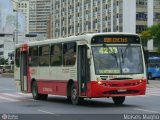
[{"x": 86, "y": 66}]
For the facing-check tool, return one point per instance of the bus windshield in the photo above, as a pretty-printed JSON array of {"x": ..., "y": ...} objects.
[{"x": 117, "y": 60}]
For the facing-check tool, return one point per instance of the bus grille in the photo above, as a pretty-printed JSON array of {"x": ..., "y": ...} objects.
[{"x": 125, "y": 92}]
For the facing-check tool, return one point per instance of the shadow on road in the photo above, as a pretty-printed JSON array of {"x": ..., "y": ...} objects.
[{"x": 88, "y": 102}]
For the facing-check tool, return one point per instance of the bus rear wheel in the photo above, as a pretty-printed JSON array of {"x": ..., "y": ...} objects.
[
  {"x": 36, "y": 95},
  {"x": 118, "y": 100},
  {"x": 75, "y": 99}
]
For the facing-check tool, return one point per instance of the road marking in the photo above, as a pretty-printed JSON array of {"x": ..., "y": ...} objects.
[
  {"x": 10, "y": 95},
  {"x": 146, "y": 110},
  {"x": 25, "y": 94},
  {"x": 8, "y": 99},
  {"x": 45, "y": 112}
]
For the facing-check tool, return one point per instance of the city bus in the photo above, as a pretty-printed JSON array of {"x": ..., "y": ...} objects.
[
  {"x": 153, "y": 67},
  {"x": 93, "y": 65}
]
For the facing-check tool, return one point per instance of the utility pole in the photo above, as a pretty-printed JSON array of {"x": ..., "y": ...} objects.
[{"x": 15, "y": 9}]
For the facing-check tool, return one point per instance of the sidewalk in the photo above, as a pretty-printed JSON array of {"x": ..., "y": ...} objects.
[
  {"x": 154, "y": 83},
  {"x": 9, "y": 75}
]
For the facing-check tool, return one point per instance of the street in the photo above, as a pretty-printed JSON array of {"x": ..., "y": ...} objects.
[{"x": 14, "y": 102}]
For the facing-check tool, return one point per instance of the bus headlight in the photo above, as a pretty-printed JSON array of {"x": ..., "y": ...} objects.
[{"x": 99, "y": 82}]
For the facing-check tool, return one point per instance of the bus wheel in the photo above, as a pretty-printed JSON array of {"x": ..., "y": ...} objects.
[
  {"x": 150, "y": 76},
  {"x": 44, "y": 96},
  {"x": 36, "y": 95},
  {"x": 118, "y": 100},
  {"x": 75, "y": 99}
]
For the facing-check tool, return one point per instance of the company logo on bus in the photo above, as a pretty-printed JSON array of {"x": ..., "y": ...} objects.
[{"x": 33, "y": 71}]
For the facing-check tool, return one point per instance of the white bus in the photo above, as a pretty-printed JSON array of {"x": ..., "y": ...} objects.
[{"x": 86, "y": 66}]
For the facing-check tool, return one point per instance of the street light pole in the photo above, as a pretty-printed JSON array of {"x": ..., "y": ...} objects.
[
  {"x": 16, "y": 10},
  {"x": 16, "y": 27}
]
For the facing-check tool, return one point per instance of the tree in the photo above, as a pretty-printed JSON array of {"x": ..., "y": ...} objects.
[
  {"x": 152, "y": 32},
  {"x": 3, "y": 61}
]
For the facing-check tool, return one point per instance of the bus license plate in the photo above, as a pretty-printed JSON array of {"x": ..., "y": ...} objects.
[{"x": 122, "y": 90}]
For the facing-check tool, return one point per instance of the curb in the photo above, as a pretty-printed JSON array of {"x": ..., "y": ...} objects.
[{"x": 8, "y": 75}]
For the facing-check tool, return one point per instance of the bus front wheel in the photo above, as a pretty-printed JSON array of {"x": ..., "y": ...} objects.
[
  {"x": 118, "y": 100},
  {"x": 75, "y": 99},
  {"x": 36, "y": 95},
  {"x": 150, "y": 76}
]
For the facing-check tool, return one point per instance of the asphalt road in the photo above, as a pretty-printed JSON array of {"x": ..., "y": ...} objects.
[{"x": 13, "y": 102}]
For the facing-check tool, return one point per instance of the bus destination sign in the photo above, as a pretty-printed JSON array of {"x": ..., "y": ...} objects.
[{"x": 116, "y": 39}]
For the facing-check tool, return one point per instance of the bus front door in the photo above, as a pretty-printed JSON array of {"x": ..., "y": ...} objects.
[
  {"x": 23, "y": 71},
  {"x": 83, "y": 70}
]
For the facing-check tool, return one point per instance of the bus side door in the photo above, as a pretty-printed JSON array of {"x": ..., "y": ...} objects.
[
  {"x": 23, "y": 71},
  {"x": 83, "y": 70}
]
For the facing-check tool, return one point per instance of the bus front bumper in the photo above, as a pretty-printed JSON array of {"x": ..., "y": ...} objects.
[{"x": 116, "y": 88}]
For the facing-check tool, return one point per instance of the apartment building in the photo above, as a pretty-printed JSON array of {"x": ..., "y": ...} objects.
[
  {"x": 39, "y": 12},
  {"x": 23, "y": 7},
  {"x": 73, "y": 17}
]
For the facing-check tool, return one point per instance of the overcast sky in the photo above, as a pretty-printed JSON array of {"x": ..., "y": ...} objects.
[{"x": 7, "y": 8}]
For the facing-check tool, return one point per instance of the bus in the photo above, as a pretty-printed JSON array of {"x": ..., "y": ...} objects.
[
  {"x": 92, "y": 65},
  {"x": 153, "y": 67}
]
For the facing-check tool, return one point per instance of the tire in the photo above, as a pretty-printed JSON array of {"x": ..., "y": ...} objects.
[
  {"x": 75, "y": 99},
  {"x": 36, "y": 95},
  {"x": 118, "y": 100},
  {"x": 150, "y": 76}
]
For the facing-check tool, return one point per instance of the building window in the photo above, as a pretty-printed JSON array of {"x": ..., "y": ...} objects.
[{"x": 2, "y": 46}]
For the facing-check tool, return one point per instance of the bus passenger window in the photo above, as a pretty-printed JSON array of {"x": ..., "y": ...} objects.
[
  {"x": 69, "y": 54},
  {"x": 33, "y": 55},
  {"x": 56, "y": 55},
  {"x": 44, "y": 56}
]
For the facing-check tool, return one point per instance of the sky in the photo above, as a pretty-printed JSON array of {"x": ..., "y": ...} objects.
[
  {"x": 6, "y": 6},
  {"x": 6, "y": 9}
]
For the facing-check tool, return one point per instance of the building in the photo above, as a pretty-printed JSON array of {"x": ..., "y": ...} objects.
[
  {"x": 6, "y": 44},
  {"x": 23, "y": 7},
  {"x": 73, "y": 17},
  {"x": 39, "y": 12},
  {"x": 36, "y": 13}
]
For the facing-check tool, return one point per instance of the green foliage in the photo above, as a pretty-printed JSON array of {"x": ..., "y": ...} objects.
[
  {"x": 3, "y": 61},
  {"x": 146, "y": 35},
  {"x": 152, "y": 32}
]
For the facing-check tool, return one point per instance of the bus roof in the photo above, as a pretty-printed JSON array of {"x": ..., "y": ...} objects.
[{"x": 85, "y": 36}]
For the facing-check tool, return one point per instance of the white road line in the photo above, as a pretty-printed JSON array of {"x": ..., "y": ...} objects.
[
  {"x": 11, "y": 95},
  {"x": 8, "y": 99},
  {"x": 150, "y": 111},
  {"x": 45, "y": 112},
  {"x": 154, "y": 94},
  {"x": 24, "y": 94}
]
